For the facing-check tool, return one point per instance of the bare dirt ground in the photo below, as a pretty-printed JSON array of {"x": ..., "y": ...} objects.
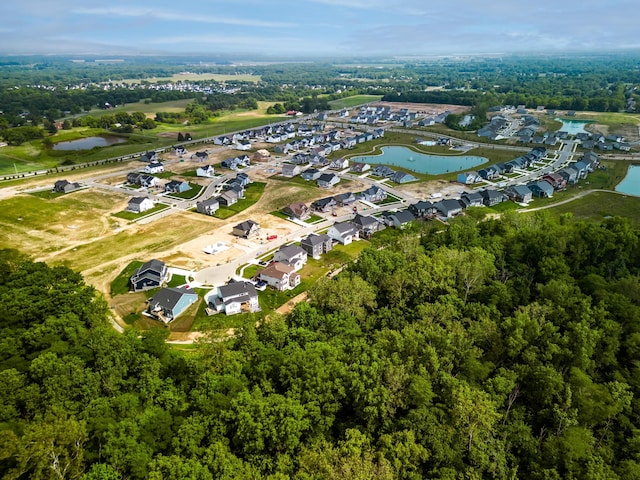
[
  {"x": 425, "y": 189},
  {"x": 428, "y": 108}
]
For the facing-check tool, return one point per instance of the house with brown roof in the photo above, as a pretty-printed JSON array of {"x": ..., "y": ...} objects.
[
  {"x": 279, "y": 276},
  {"x": 297, "y": 210}
]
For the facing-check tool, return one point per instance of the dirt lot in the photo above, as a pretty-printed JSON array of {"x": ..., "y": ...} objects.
[
  {"x": 428, "y": 108},
  {"x": 425, "y": 189}
]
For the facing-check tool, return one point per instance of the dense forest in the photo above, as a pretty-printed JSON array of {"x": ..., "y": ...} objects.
[{"x": 500, "y": 349}]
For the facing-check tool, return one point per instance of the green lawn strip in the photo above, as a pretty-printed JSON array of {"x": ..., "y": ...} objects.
[
  {"x": 252, "y": 194},
  {"x": 314, "y": 219},
  {"x": 279, "y": 214},
  {"x": 47, "y": 194},
  {"x": 176, "y": 281},
  {"x": 127, "y": 215},
  {"x": 120, "y": 285},
  {"x": 297, "y": 180},
  {"x": 390, "y": 199},
  {"x": 194, "y": 191},
  {"x": 353, "y": 101}
]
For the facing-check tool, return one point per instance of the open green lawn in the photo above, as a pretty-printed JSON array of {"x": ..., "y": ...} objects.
[
  {"x": 128, "y": 215},
  {"x": 252, "y": 194},
  {"x": 599, "y": 205},
  {"x": 146, "y": 107},
  {"x": 353, "y": 101},
  {"x": 610, "y": 118},
  {"x": 120, "y": 285},
  {"x": 194, "y": 191}
]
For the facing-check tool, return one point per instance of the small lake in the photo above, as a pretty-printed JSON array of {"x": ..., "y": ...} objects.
[
  {"x": 631, "y": 182},
  {"x": 422, "y": 162},
  {"x": 89, "y": 143},
  {"x": 573, "y": 127}
]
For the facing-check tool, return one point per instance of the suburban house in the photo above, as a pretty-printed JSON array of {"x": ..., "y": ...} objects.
[
  {"x": 169, "y": 303},
  {"x": 176, "y": 186},
  {"x": 231, "y": 298},
  {"x": 205, "y": 171},
  {"x": 542, "y": 189},
  {"x": 339, "y": 164},
  {"x": 360, "y": 167},
  {"x": 279, "y": 276},
  {"x": 297, "y": 210},
  {"x": 243, "y": 179},
  {"x": 154, "y": 167},
  {"x": 243, "y": 145},
  {"x": 149, "y": 156},
  {"x": 398, "y": 219},
  {"x": 402, "y": 177},
  {"x": 471, "y": 199},
  {"x": 328, "y": 180},
  {"x": 140, "y": 204},
  {"x": 289, "y": 170},
  {"x": 492, "y": 197},
  {"x": 382, "y": 171},
  {"x": 311, "y": 174},
  {"x": 570, "y": 174},
  {"x": 343, "y": 199},
  {"x": 246, "y": 229},
  {"x": 148, "y": 181},
  {"x": 519, "y": 194},
  {"x": 324, "y": 204},
  {"x": 208, "y": 207},
  {"x": 423, "y": 209},
  {"x": 63, "y": 186},
  {"x": 373, "y": 194},
  {"x": 151, "y": 274},
  {"x": 448, "y": 208},
  {"x": 315, "y": 245},
  {"x": 291, "y": 255},
  {"x": 200, "y": 156},
  {"x": 261, "y": 155},
  {"x": 367, "y": 225},
  {"x": 228, "y": 198},
  {"x": 344, "y": 232},
  {"x": 133, "y": 178},
  {"x": 179, "y": 150},
  {"x": 556, "y": 180}
]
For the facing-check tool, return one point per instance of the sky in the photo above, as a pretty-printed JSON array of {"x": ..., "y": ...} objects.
[{"x": 350, "y": 28}]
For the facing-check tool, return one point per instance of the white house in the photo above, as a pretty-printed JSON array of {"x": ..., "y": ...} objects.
[
  {"x": 154, "y": 167},
  {"x": 280, "y": 276},
  {"x": 140, "y": 204},
  {"x": 344, "y": 232},
  {"x": 292, "y": 255},
  {"x": 205, "y": 171}
]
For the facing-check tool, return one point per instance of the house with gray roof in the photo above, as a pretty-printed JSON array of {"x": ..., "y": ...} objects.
[
  {"x": 140, "y": 204},
  {"x": 208, "y": 206},
  {"x": 246, "y": 229},
  {"x": 167, "y": 304},
  {"x": 382, "y": 171},
  {"x": 541, "y": 189},
  {"x": 373, "y": 194},
  {"x": 403, "y": 177},
  {"x": 177, "y": 186},
  {"x": 315, "y": 245},
  {"x": 311, "y": 174},
  {"x": 398, "y": 219},
  {"x": 448, "y": 208},
  {"x": 367, "y": 225},
  {"x": 151, "y": 274},
  {"x": 519, "y": 193},
  {"x": 234, "y": 298},
  {"x": 290, "y": 170},
  {"x": 324, "y": 204},
  {"x": 492, "y": 197},
  {"x": 344, "y": 199},
  {"x": 291, "y": 255},
  {"x": 423, "y": 209},
  {"x": 64, "y": 186},
  {"x": 344, "y": 232},
  {"x": 471, "y": 199},
  {"x": 328, "y": 180}
]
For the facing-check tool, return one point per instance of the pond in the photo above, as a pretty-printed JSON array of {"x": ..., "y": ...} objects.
[
  {"x": 572, "y": 127},
  {"x": 422, "y": 162},
  {"x": 631, "y": 182},
  {"x": 89, "y": 143}
]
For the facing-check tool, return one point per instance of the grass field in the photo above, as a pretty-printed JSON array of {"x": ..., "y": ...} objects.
[
  {"x": 131, "y": 216},
  {"x": 146, "y": 107},
  {"x": 353, "y": 101},
  {"x": 597, "y": 206},
  {"x": 252, "y": 194},
  {"x": 120, "y": 285}
]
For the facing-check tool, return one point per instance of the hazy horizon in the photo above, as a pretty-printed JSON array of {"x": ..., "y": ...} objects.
[{"x": 315, "y": 28}]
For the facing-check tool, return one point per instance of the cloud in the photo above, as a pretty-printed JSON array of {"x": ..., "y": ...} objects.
[{"x": 178, "y": 16}]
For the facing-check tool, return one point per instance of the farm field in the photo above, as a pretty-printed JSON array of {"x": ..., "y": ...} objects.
[{"x": 353, "y": 101}]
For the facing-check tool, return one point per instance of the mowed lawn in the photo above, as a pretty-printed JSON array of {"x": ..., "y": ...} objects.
[
  {"x": 354, "y": 101},
  {"x": 38, "y": 226},
  {"x": 597, "y": 206}
]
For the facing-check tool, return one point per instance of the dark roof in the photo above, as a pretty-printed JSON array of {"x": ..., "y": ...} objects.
[
  {"x": 168, "y": 298},
  {"x": 314, "y": 239},
  {"x": 237, "y": 290}
]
